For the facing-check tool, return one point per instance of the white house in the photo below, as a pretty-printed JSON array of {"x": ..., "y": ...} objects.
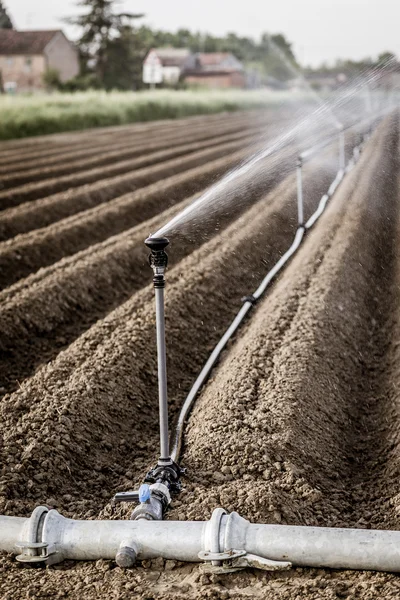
[{"x": 165, "y": 65}]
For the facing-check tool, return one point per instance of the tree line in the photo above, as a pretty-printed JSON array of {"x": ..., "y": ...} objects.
[
  {"x": 113, "y": 44},
  {"x": 112, "y": 47}
]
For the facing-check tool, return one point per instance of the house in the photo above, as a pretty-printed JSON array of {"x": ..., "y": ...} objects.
[
  {"x": 26, "y": 55},
  {"x": 215, "y": 70},
  {"x": 208, "y": 69},
  {"x": 165, "y": 65}
]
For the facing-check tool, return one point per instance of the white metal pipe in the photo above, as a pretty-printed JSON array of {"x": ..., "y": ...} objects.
[
  {"x": 180, "y": 540},
  {"x": 92, "y": 540},
  {"x": 299, "y": 176},
  {"x": 336, "y": 548},
  {"x": 342, "y": 151},
  {"x": 11, "y": 529}
]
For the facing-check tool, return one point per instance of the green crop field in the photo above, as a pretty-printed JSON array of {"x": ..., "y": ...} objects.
[{"x": 22, "y": 116}]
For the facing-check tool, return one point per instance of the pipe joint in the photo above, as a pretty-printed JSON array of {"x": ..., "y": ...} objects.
[
  {"x": 155, "y": 498},
  {"x": 167, "y": 472},
  {"x": 33, "y": 548},
  {"x": 154, "y": 505},
  {"x": 225, "y": 543}
]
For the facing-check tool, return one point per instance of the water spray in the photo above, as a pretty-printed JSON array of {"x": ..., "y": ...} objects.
[{"x": 155, "y": 498}]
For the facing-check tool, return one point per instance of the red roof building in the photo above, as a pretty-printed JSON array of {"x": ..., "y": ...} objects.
[
  {"x": 215, "y": 70},
  {"x": 26, "y": 55}
]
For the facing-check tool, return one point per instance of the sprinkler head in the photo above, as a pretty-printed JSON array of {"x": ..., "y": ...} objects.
[
  {"x": 156, "y": 244},
  {"x": 158, "y": 258}
]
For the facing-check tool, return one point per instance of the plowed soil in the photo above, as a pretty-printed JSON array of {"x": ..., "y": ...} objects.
[{"x": 300, "y": 421}]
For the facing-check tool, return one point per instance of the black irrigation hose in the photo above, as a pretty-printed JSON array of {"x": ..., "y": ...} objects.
[{"x": 250, "y": 301}]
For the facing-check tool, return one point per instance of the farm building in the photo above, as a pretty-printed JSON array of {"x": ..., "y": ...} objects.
[
  {"x": 215, "y": 70},
  {"x": 26, "y": 55},
  {"x": 165, "y": 65},
  {"x": 208, "y": 69}
]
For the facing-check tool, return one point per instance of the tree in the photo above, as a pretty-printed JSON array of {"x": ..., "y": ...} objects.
[
  {"x": 125, "y": 55},
  {"x": 277, "y": 58},
  {"x": 387, "y": 58},
  {"x": 5, "y": 21},
  {"x": 281, "y": 42},
  {"x": 100, "y": 27}
]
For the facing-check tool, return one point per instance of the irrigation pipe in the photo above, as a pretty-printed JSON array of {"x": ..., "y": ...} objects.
[
  {"x": 249, "y": 301},
  {"x": 224, "y": 544}
]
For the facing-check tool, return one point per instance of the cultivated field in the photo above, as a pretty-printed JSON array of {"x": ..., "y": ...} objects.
[{"x": 300, "y": 422}]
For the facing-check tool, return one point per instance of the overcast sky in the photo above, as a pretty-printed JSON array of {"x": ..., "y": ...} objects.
[{"x": 321, "y": 30}]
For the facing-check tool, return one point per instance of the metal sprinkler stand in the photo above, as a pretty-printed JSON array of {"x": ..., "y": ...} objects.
[
  {"x": 299, "y": 177},
  {"x": 158, "y": 260},
  {"x": 342, "y": 149},
  {"x": 164, "y": 477}
]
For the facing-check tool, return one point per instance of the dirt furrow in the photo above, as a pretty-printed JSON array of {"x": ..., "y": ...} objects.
[
  {"x": 41, "y": 213},
  {"x": 26, "y": 253},
  {"x": 48, "y": 310},
  {"x": 299, "y": 372},
  {"x": 166, "y": 161},
  {"x": 307, "y": 398},
  {"x": 75, "y": 161},
  {"x": 119, "y": 352},
  {"x": 53, "y": 145},
  {"x": 146, "y": 152}
]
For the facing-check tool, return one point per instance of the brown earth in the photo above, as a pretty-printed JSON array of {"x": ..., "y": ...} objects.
[
  {"x": 22, "y": 153},
  {"x": 299, "y": 423},
  {"x": 115, "y": 149}
]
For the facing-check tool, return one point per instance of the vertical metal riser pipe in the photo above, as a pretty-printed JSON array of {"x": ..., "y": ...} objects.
[
  {"x": 158, "y": 261},
  {"x": 154, "y": 495},
  {"x": 342, "y": 150},
  {"x": 299, "y": 176},
  {"x": 162, "y": 373}
]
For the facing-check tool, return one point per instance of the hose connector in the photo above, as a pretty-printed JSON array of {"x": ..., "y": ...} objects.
[
  {"x": 153, "y": 506},
  {"x": 158, "y": 259}
]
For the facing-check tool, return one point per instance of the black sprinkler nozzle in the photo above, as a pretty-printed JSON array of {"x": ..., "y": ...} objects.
[
  {"x": 158, "y": 258},
  {"x": 156, "y": 244}
]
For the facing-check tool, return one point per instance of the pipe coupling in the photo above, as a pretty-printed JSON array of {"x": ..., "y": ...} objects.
[
  {"x": 225, "y": 543},
  {"x": 154, "y": 504}
]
